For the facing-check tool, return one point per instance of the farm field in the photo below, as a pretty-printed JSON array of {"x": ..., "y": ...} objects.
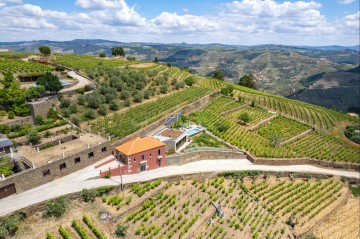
[
  {"x": 119, "y": 125},
  {"x": 19, "y": 66},
  {"x": 83, "y": 61},
  {"x": 183, "y": 209},
  {"x": 317, "y": 144}
]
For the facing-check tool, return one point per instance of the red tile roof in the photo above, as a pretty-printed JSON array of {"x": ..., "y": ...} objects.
[{"x": 137, "y": 145}]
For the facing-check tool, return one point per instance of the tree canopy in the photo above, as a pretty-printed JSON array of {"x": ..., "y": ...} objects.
[
  {"x": 117, "y": 51},
  {"x": 50, "y": 82},
  {"x": 219, "y": 74},
  {"x": 248, "y": 81},
  {"x": 45, "y": 50},
  {"x": 12, "y": 97}
]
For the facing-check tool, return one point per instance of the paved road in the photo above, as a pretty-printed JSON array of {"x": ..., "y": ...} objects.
[
  {"x": 82, "y": 179},
  {"x": 82, "y": 82}
]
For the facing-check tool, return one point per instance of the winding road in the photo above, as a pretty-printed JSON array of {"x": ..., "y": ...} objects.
[{"x": 84, "y": 178}]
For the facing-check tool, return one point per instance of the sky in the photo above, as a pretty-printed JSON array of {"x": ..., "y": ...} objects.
[{"x": 242, "y": 22}]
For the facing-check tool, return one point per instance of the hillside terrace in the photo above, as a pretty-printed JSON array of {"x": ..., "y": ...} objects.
[{"x": 77, "y": 145}]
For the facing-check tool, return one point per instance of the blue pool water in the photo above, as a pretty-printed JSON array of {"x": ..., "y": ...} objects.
[
  {"x": 63, "y": 83},
  {"x": 192, "y": 132}
]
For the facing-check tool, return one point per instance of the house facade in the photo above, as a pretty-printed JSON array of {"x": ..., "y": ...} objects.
[{"x": 141, "y": 154}]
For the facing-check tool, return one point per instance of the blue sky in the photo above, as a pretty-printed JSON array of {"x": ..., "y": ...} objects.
[{"x": 243, "y": 22}]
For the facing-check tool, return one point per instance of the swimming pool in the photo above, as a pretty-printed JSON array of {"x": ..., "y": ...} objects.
[{"x": 192, "y": 132}]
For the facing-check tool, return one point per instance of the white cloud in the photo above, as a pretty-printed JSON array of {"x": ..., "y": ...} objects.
[
  {"x": 101, "y": 4},
  {"x": 172, "y": 22},
  {"x": 237, "y": 22},
  {"x": 346, "y": 1}
]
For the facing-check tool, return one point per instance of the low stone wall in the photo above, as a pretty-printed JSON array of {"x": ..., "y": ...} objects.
[
  {"x": 299, "y": 161},
  {"x": 187, "y": 109},
  {"x": 185, "y": 158},
  {"x": 56, "y": 141},
  {"x": 234, "y": 109},
  {"x": 21, "y": 121},
  {"x": 42, "y": 106},
  {"x": 34, "y": 177}
]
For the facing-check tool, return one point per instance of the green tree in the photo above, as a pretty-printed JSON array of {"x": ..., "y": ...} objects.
[
  {"x": 103, "y": 110},
  {"x": 102, "y": 54},
  {"x": 275, "y": 139},
  {"x": 190, "y": 81},
  {"x": 45, "y": 50},
  {"x": 75, "y": 120},
  {"x": 35, "y": 92},
  {"x": 117, "y": 51},
  {"x": 156, "y": 59},
  {"x": 120, "y": 230},
  {"x": 114, "y": 105},
  {"x": 244, "y": 118},
  {"x": 88, "y": 195},
  {"x": 12, "y": 97},
  {"x": 33, "y": 137},
  {"x": 50, "y": 82},
  {"x": 248, "y": 81},
  {"x": 219, "y": 74}
]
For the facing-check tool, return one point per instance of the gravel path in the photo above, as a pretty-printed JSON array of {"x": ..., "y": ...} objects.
[
  {"x": 81, "y": 179},
  {"x": 82, "y": 82}
]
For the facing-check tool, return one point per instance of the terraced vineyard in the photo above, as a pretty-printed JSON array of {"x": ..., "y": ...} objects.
[
  {"x": 20, "y": 66},
  {"x": 209, "y": 82},
  {"x": 318, "y": 145},
  {"x": 284, "y": 127},
  {"x": 120, "y": 125},
  {"x": 256, "y": 114},
  {"x": 83, "y": 61},
  {"x": 15, "y": 55},
  {"x": 316, "y": 116},
  {"x": 303, "y": 201},
  {"x": 84, "y": 229}
]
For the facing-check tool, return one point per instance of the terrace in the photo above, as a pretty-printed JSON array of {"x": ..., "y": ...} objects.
[{"x": 54, "y": 153}]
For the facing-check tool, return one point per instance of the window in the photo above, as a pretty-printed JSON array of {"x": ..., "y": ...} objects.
[
  {"x": 142, "y": 157},
  {"x": 159, "y": 162},
  {"x": 91, "y": 154},
  {"x": 103, "y": 149},
  {"x": 46, "y": 172},
  {"x": 134, "y": 160},
  {"x": 159, "y": 152},
  {"x": 62, "y": 166},
  {"x": 77, "y": 160},
  {"x": 150, "y": 155}
]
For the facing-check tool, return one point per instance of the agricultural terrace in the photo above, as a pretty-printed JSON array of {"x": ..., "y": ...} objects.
[
  {"x": 122, "y": 124},
  {"x": 284, "y": 127},
  {"x": 20, "y": 66},
  {"x": 84, "y": 61},
  {"x": 253, "y": 206},
  {"x": 256, "y": 115},
  {"x": 16, "y": 55},
  {"x": 317, "y": 144},
  {"x": 309, "y": 114},
  {"x": 206, "y": 82}
]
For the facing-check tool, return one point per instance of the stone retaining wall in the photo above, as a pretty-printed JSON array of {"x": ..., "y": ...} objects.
[
  {"x": 299, "y": 161},
  {"x": 21, "y": 121},
  {"x": 185, "y": 158},
  {"x": 34, "y": 177}
]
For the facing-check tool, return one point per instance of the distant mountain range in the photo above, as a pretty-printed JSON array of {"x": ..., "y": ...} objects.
[{"x": 279, "y": 69}]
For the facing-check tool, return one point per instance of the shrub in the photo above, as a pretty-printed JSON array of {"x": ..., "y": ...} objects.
[
  {"x": 49, "y": 236},
  {"x": 120, "y": 230},
  {"x": 11, "y": 115},
  {"x": 80, "y": 230},
  {"x": 107, "y": 174},
  {"x": 114, "y": 105},
  {"x": 7, "y": 171},
  {"x": 33, "y": 137},
  {"x": 104, "y": 190},
  {"x": 9, "y": 225},
  {"x": 190, "y": 81},
  {"x": 103, "y": 110},
  {"x": 81, "y": 100},
  {"x": 75, "y": 120},
  {"x": 52, "y": 114},
  {"x": 56, "y": 208},
  {"x": 90, "y": 114},
  {"x": 65, "y": 103},
  {"x": 39, "y": 120},
  {"x": 88, "y": 195},
  {"x": 73, "y": 108},
  {"x": 66, "y": 112}
]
